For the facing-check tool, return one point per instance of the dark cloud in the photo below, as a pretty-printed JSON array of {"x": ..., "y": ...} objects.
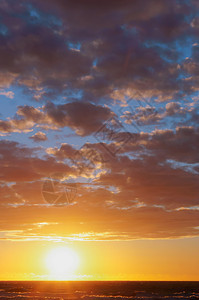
[
  {"x": 53, "y": 45},
  {"x": 181, "y": 146},
  {"x": 19, "y": 163},
  {"x": 147, "y": 187},
  {"x": 83, "y": 61},
  {"x": 157, "y": 168},
  {"x": 84, "y": 118}
]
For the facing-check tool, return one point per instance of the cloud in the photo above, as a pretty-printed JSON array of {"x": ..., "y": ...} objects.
[
  {"x": 151, "y": 169},
  {"x": 39, "y": 137},
  {"x": 81, "y": 62},
  {"x": 127, "y": 43},
  {"x": 181, "y": 145},
  {"x": 162, "y": 198},
  {"x": 8, "y": 94},
  {"x": 19, "y": 163},
  {"x": 84, "y": 118},
  {"x": 97, "y": 222}
]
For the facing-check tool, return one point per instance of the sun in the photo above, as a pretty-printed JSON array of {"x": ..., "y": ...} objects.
[{"x": 62, "y": 262}]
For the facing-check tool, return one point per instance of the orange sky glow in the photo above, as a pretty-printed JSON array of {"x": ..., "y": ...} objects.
[{"x": 99, "y": 140}]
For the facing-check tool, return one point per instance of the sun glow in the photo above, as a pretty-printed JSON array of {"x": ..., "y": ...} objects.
[{"x": 62, "y": 262}]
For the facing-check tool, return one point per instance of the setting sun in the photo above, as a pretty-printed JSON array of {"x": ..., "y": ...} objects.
[
  {"x": 62, "y": 262},
  {"x": 99, "y": 149}
]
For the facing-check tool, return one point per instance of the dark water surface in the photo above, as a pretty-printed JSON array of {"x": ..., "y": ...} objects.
[{"x": 99, "y": 290}]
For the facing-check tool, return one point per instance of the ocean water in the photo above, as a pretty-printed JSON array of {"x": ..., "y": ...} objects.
[{"x": 99, "y": 290}]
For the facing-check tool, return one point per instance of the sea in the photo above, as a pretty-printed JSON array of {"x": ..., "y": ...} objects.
[{"x": 88, "y": 290}]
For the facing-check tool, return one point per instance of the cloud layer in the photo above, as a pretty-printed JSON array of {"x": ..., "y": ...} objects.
[{"x": 100, "y": 96}]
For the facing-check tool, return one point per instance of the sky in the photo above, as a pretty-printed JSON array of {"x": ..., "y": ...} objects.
[{"x": 99, "y": 137}]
